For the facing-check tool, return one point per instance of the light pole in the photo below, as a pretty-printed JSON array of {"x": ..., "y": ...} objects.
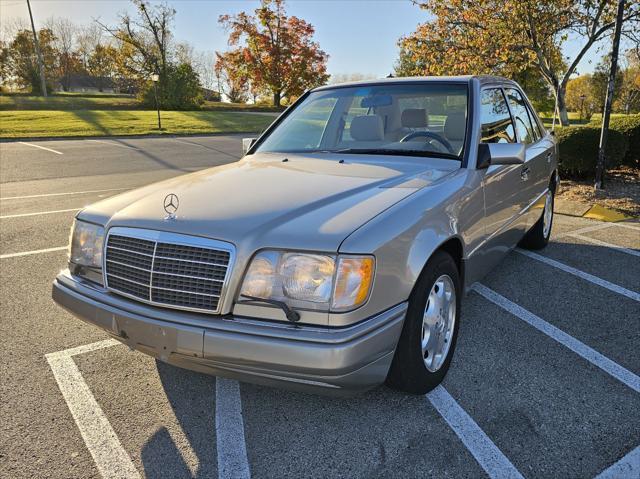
[
  {"x": 43, "y": 82},
  {"x": 583, "y": 97},
  {"x": 155, "y": 78}
]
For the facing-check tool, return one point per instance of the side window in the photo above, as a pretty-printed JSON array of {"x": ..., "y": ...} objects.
[
  {"x": 520, "y": 116},
  {"x": 496, "y": 120}
]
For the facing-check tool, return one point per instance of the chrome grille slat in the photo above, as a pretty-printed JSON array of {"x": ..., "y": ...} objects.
[
  {"x": 188, "y": 276},
  {"x": 144, "y": 265},
  {"x": 129, "y": 251},
  {"x": 128, "y": 265},
  {"x": 111, "y": 275},
  {"x": 192, "y": 261},
  {"x": 183, "y": 291}
]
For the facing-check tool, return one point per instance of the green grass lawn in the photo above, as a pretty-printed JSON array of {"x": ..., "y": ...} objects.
[
  {"x": 50, "y": 123},
  {"x": 102, "y": 101},
  {"x": 574, "y": 119}
]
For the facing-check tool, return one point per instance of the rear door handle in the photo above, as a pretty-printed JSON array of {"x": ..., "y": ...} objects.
[
  {"x": 549, "y": 156},
  {"x": 524, "y": 174}
]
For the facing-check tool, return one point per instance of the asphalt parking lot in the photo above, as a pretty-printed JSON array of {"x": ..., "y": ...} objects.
[{"x": 544, "y": 384}]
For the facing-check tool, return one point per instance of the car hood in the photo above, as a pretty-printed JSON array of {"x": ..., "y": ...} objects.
[{"x": 310, "y": 202}]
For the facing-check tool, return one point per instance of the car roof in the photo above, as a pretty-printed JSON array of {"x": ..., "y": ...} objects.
[{"x": 483, "y": 79}]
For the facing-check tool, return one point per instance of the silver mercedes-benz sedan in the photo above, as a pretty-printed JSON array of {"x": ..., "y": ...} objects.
[{"x": 334, "y": 255}]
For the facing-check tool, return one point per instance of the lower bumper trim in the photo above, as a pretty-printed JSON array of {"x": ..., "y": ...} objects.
[{"x": 333, "y": 361}]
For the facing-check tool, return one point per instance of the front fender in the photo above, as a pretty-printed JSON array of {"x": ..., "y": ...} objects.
[{"x": 403, "y": 238}]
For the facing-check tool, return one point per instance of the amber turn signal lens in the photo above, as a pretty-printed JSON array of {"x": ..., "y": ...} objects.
[{"x": 353, "y": 282}]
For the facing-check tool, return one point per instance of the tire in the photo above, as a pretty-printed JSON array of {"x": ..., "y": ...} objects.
[
  {"x": 409, "y": 370},
  {"x": 538, "y": 236}
]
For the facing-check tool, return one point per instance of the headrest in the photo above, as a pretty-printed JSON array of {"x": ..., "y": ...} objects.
[
  {"x": 455, "y": 126},
  {"x": 414, "y": 118},
  {"x": 367, "y": 128}
]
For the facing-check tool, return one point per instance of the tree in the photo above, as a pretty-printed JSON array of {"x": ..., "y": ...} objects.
[
  {"x": 279, "y": 51},
  {"x": 348, "y": 77},
  {"x": 629, "y": 98},
  {"x": 5, "y": 67},
  {"x": 89, "y": 37},
  {"x": 102, "y": 64},
  {"x": 146, "y": 41},
  {"x": 203, "y": 63},
  {"x": 508, "y": 36},
  {"x": 600, "y": 82},
  {"x": 69, "y": 61},
  {"x": 536, "y": 88},
  {"x": 232, "y": 76},
  {"x": 21, "y": 63},
  {"x": 182, "y": 90},
  {"x": 580, "y": 97}
]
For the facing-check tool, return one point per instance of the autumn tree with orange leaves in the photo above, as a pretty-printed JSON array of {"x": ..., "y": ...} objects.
[
  {"x": 272, "y": 52},
  {"x": 508, "y": 36}
]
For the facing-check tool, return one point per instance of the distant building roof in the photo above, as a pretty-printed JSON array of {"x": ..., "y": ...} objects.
[{"x": 88, "y": 81}]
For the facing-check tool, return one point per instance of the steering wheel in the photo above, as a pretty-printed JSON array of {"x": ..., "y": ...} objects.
[{"x": 431, "y": 136}]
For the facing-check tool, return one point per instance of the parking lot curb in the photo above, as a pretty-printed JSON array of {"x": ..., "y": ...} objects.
[
  {"x": 585, "y": 210},
  {"x": 597, "y": 212}
]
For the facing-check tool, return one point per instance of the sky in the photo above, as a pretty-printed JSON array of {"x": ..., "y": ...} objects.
[{"x": 360, "y": 36}]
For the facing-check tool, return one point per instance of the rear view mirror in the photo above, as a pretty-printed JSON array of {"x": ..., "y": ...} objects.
[
  {"x": 247, "y": 143},
  {"x": 500, "y": 154},
  {"x": 376, "y": 101}
]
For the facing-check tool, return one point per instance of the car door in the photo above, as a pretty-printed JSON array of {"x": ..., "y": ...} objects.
[
  {"x": 543, "y": 165},
  {"x": 538, "y": 155},
  {"x": 503, "y": 184}
]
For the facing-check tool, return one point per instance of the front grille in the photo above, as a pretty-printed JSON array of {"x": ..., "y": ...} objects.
[{"x": 152, "y": 267}]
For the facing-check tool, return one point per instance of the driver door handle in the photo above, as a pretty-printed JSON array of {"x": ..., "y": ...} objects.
[{"x": 524, "y": 174}]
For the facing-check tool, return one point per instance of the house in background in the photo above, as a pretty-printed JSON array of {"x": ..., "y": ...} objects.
[{"x": 82, "y": 83}]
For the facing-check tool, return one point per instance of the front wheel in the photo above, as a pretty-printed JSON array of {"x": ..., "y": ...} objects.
[
  {"x": 430, "y": 330},
  {"x": 538, "y": 236}
]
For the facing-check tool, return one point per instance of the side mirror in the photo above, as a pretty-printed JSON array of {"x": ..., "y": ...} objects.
[
  {"x": 247, "y": 143},
  {"x": 500, "y": 154}
]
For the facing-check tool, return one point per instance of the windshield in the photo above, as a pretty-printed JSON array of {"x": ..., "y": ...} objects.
[{"x": 427, "y": 119}]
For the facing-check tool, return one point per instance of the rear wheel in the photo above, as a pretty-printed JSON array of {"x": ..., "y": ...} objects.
[
  {"x": 430, "y": 330},
  {"x": 538, "y": 236}
]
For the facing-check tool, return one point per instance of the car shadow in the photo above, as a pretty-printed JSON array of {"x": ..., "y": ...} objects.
[
  {"x": 295, "y": 432},
  {"x": 192, "y": 398},
  {"x": 150, "y": 156}
]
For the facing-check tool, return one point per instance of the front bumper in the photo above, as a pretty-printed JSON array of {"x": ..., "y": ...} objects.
[{"x": 311, "y": 359}]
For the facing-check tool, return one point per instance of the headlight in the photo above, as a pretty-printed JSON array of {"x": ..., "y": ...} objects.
[
  {"x": 319, "y": 282},
  {"x": 86, "y": 244}
]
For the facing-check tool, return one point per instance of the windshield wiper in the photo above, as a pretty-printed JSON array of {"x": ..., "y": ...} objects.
[
  {"x": 384, "y": 151},
  {"x": 291, "y": 315}
]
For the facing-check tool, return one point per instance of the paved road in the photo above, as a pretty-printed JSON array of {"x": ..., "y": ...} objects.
[{"x": 544, "y": 382}]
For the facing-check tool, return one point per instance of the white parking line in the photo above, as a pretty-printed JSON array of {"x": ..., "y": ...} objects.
[
  {"x": 621, "y": 249},
  {"x": 490, "y": 458},
  {"x": 101, "y": 440},
  {"x": 594, "y": 357},
  {"x": 37, "y": 251},
  {"x": 628, "y": 466},
  {"x": 61, "y": 194},
  {"x": 38, "y": 213},
  {"x": 628, "y": 226},
  {"x": 232, "y": 451},
  {"x": 41, "y": 147},
  {"x": 581, "y": 274},
  {"x": 586, "y": 229}
]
